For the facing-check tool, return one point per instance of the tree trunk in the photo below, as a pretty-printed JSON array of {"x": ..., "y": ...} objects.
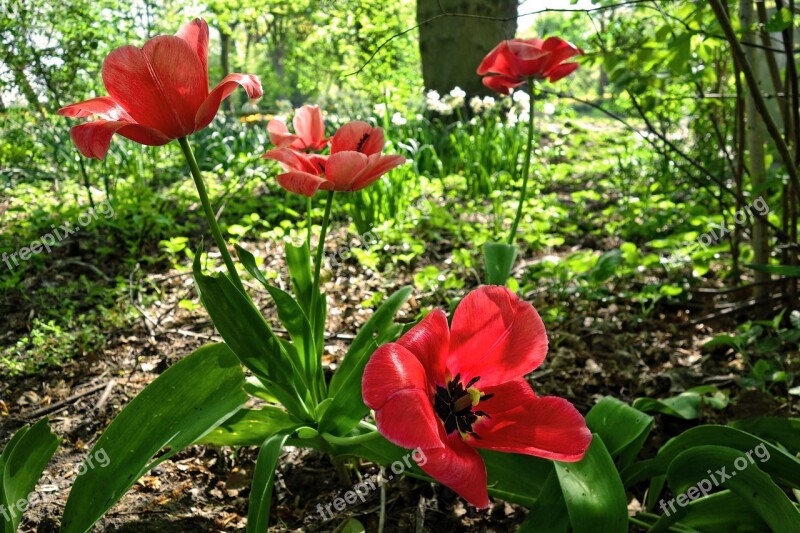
[
  {"x": 24, "y": 85},
  {"x": 452, "y": 47},
  {"x": 225, "y": 62},
  {"x": 225, "y": 52},
  {"x": 755, "y": 137}
]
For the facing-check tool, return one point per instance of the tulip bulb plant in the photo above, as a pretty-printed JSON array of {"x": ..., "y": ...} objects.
[
  {"x": 458, "y": 392},
  {"x": 515, "y": 63}
]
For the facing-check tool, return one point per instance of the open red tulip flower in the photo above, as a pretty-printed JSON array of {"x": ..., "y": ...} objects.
[
  {"x": 355, "y": 162},
  {"x": 448, "y": 391},
  {"x": 157, "y": 93},
  {"x": 309, "y": 127},
  {"x": 513, "y": 62}
]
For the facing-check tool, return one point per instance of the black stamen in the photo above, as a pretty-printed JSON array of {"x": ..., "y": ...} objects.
[
  {"x": 362, "y": 142},
  {"x": 453, "y": 406}
]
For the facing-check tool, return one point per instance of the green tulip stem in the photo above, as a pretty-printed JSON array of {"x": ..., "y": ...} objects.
[
  {"x": 351, "y": 441},
  {"x": 525, "y": 168},
  {"x": 212, "y": 219},
  {"x": 318, "y": 259}
]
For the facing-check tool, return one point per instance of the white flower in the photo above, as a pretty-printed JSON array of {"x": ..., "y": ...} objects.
[
  {"x": 488, "y": 102},
  {"x": 444, "y": 109},
  {"x": 435, "y": 103},
  {"x": 458, "y": 92},
  {"x": 521, "y": 97},
  {"x": 398, "y": 119},
  {"x": 457, "y": 96},
  {"x": 476, "y": 104},
  {"x": 548, "y": 108},
  {"x": 379, "y": 109},
  {"x": 513, "y": 117}
]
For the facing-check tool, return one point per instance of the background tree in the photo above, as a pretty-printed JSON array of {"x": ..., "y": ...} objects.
[{"x": 452, "y": 47}]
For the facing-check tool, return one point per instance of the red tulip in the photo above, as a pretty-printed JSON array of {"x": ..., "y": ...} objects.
[
  {"x": 450, "y": 391},
  {"x": 309, "y": 128},
  {"x": 354, "y": 163},
  {"x": 514, "y": 62},
  {"x": 157, "y": 93}
]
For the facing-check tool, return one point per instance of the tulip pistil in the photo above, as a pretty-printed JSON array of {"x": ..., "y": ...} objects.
[{"x": 454, "y": 405}]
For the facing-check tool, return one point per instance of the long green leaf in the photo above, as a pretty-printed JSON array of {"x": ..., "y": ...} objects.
[
  {"x": 503, "y": 471},
  {"x": 21, "y": 464},
  {"x": 498, "y": 259},
  {"x": 622, "y": 428},
  {"x": 549, "y": 511},
  {"x": 593, "y": 491},
  {"x": 184, "y": 403},
  {"x": 347, "y": 407},
  {"x": 685, "y": 405},
  {"x": 263, "y": 479},
  {"x": 251, "y": 427},
  {"x": 298, "y": 259},
  {"x": 722, "y": 512},
  {"x": 291, "y": 315},
  {"x": 781, "y": 465},
  {"x": 785, "y": 431},
  {"x": 764, "y": 497},
  {"x": 249, "y": 336}
]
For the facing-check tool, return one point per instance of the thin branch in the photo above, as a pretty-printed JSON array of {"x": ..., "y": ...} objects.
[
  {"x": 495, "y": 19},
  {"x": 639, "y": 3},
  {"x": 781, "y": 235},
  {"x": 758, "y": 100}
]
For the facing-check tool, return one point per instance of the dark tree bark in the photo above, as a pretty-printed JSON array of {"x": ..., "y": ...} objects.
[
  {"x": 452, "y": 47},
  {"x": 225, "y": 52}
]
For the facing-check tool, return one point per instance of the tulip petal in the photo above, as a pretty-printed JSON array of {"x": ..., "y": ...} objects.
[
  {"x": 501, "y": 84},
  {"x": 301, "y": 183},
  {"x": 519, "y": 422},
  {"x": 358, "y": 136},
  {"x": 104, "y": 107},
  {"x": 160, "y": 86},
  {"x": 377, "y": 166},
  {"x": 559, "y": 50},
  {"x": 460, "y": 467},
  {"x": 561, "y": 71},
  {"x": 209, "y": 108},
  {"x": 496, "y": 336},
  {"x": 310, "y": 127},
  {"x": 528, "y": 49},
  {"x": 94, "y": 138},
  {"x": 396, "y": 387},
  {"x": 292, "y": 160},
  {"x": 195, "y": 33},
  {"x": 407, "y": 420},
  {"x": 343, "y": 169},
  {"x": 498, "y": 61},
  {"x": 279, "y": 134},
  {"x": 429, "y": 341}
]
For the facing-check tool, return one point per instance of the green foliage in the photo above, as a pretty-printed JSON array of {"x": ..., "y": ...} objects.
[
  {"x": 23, "y": 459},
  {"x": 184, "y": 403},
  {"x": 263, "y": 479}
]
